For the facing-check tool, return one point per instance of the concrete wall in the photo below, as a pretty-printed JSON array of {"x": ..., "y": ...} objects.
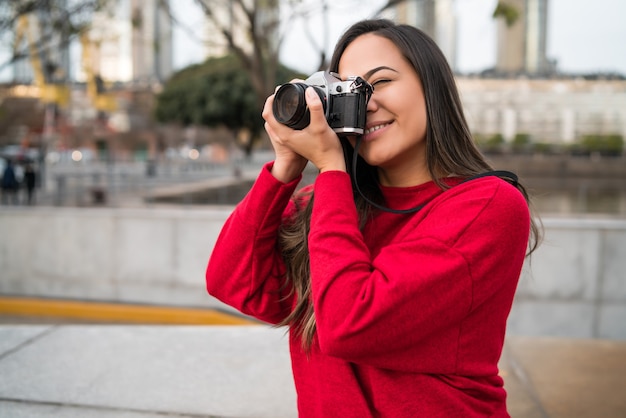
[
  {"x": 129, "y": 255},
  {"x": 574, "y": 285}
]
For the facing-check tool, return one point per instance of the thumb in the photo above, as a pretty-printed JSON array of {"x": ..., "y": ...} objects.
[{"x": 316, "y": 107}]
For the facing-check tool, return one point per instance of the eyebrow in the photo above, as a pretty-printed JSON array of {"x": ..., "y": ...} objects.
[{"x": 373, "y": 71}]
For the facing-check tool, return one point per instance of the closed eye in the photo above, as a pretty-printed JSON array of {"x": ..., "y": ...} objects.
[{"x": 379, "y": 82}]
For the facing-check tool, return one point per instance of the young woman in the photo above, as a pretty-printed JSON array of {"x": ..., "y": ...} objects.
[{"x": 391, "y": 314}]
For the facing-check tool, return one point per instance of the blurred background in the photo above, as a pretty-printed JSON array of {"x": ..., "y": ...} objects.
[
  {"x": 129, "y": 129},
  {"x": 106, "y": 99}
]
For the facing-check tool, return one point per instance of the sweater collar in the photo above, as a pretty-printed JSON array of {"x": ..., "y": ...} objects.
[{"x": 403, "y": 197}]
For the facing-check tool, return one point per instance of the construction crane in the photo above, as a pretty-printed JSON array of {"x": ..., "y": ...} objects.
[
  {"x": 49, "y": 92},
  {"x": 59, "y": 94},
  {"x": 101, "y": 99},
  {"x": 54, "y": 96}
]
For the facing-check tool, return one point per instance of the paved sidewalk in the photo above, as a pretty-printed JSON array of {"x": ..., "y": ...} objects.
[{"x": 102, "y": 371}]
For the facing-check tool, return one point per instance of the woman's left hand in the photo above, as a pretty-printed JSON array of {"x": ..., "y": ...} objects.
[{"x": 317, "y": 142}]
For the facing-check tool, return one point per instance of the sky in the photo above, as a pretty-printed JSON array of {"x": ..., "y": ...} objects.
[{"x": 583, "y": 35}]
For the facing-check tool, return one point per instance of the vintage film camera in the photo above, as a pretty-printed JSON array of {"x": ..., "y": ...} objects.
[{"x": 345, "y": 102}]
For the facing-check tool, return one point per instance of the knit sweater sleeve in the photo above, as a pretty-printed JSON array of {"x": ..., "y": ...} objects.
[
  {"x": 407, "y": 308},
  {"x": 245, "y": 269}
]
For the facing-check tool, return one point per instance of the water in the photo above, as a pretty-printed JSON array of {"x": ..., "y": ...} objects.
[
  {"x": 559, "y": 197},
  {"x": 579, "y": 196},
  {"x": 558, "y": 186}
]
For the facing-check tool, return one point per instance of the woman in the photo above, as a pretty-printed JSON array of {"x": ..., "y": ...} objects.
[{"x": 391, "y": 314}]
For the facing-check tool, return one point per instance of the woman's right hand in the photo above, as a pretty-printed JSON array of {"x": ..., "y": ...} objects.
[{"x": 288, "y": 164}]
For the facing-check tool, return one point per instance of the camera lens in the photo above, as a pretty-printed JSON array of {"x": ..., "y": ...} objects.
[{"x": 290, "y": 106}]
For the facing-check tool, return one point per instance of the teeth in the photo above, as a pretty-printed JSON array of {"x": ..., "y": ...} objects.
[{"x": 375, "y": 128}]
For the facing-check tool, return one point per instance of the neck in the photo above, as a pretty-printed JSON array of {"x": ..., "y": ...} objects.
[{"x": 401, "y": 178}]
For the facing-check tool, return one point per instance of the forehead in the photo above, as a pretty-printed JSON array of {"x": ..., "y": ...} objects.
[{"x": 367, "y": 52}]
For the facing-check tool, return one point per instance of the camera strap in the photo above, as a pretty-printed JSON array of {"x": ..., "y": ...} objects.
[{"x": 503, "y": 174}]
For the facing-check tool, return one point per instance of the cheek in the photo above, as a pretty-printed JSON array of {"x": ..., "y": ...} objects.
[
  {"x": 411, "y": 100},
  {"x": 418, "y": 113},
  {"x": 415, "y": 114},
  {"x": 421, "y": 119}
]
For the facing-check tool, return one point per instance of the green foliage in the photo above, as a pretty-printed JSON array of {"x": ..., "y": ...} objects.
[
  {"x": 522, "y": 142},
  {"x": 489, "y": 140},
  {"x": 495, "y": 140},
  {"x": 612, "y": 144},
  {"x": 507, "y": 11},
  {"x": 521, "y": 139},
  {"x": 546, "y": 148},
  {"x": 607, "y": 145},
  {"x": 215, "y": 93},
  {"x": 490, "y": 144}
]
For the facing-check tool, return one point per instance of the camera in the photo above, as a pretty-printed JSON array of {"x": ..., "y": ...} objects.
[{"x": 345, "y": 102}]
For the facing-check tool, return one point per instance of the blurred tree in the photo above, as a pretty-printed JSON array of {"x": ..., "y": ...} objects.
[
  {"x": 250, "y": 31},
  {"x": 253, "y": 31},
  {"x": 216, "y": 93}
]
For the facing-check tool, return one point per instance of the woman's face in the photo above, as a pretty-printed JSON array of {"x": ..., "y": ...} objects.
[{"x": 395, "y": 136}]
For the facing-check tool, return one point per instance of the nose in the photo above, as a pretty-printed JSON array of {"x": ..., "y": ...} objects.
[{"x": 372, "y": 104}]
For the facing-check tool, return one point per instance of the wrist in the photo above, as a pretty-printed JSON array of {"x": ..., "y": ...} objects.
[
  {"x": 286, "y": 172},
  {"x": 336, "y": 165}
]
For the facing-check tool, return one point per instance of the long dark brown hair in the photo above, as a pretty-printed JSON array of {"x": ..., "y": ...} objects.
[{"x": 450, "y": 150}]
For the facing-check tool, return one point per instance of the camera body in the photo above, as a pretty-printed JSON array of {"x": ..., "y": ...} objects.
[{"x": 345, "y": 102}]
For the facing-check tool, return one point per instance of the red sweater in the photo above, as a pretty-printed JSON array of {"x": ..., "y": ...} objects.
[{"x": 411, "y": 312}]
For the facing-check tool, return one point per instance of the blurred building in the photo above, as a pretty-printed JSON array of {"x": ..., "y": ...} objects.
[
  {"x": 133, "y": 40},
  {"x": 97, "y": 89},
  {"x": 551, "y": 111},
  {"x": 435, "y": 17},
  {"x": 521, "y": 44},
  {"x": 119, "y": 64},
  {"x": 152, "y": 48},
  {"x": 127, "y": 54}
]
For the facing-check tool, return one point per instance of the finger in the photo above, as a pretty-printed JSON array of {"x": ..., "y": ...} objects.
[
  {"x": 267, "y": 108},
  {"x": 316, "y": 108},
  {"x": 277, "y": 133},
  {"x": 270, "y": 132},
  {"x": 277, "y": 128}
]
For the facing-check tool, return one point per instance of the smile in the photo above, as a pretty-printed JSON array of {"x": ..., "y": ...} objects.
[{"x": 375, "y": 128}]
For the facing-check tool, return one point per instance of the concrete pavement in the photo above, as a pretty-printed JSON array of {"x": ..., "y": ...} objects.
[
  {"x": 102, "y": 371},
  {"x": 549, "y": 377},
  {"x": 144, "y": 371}
]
